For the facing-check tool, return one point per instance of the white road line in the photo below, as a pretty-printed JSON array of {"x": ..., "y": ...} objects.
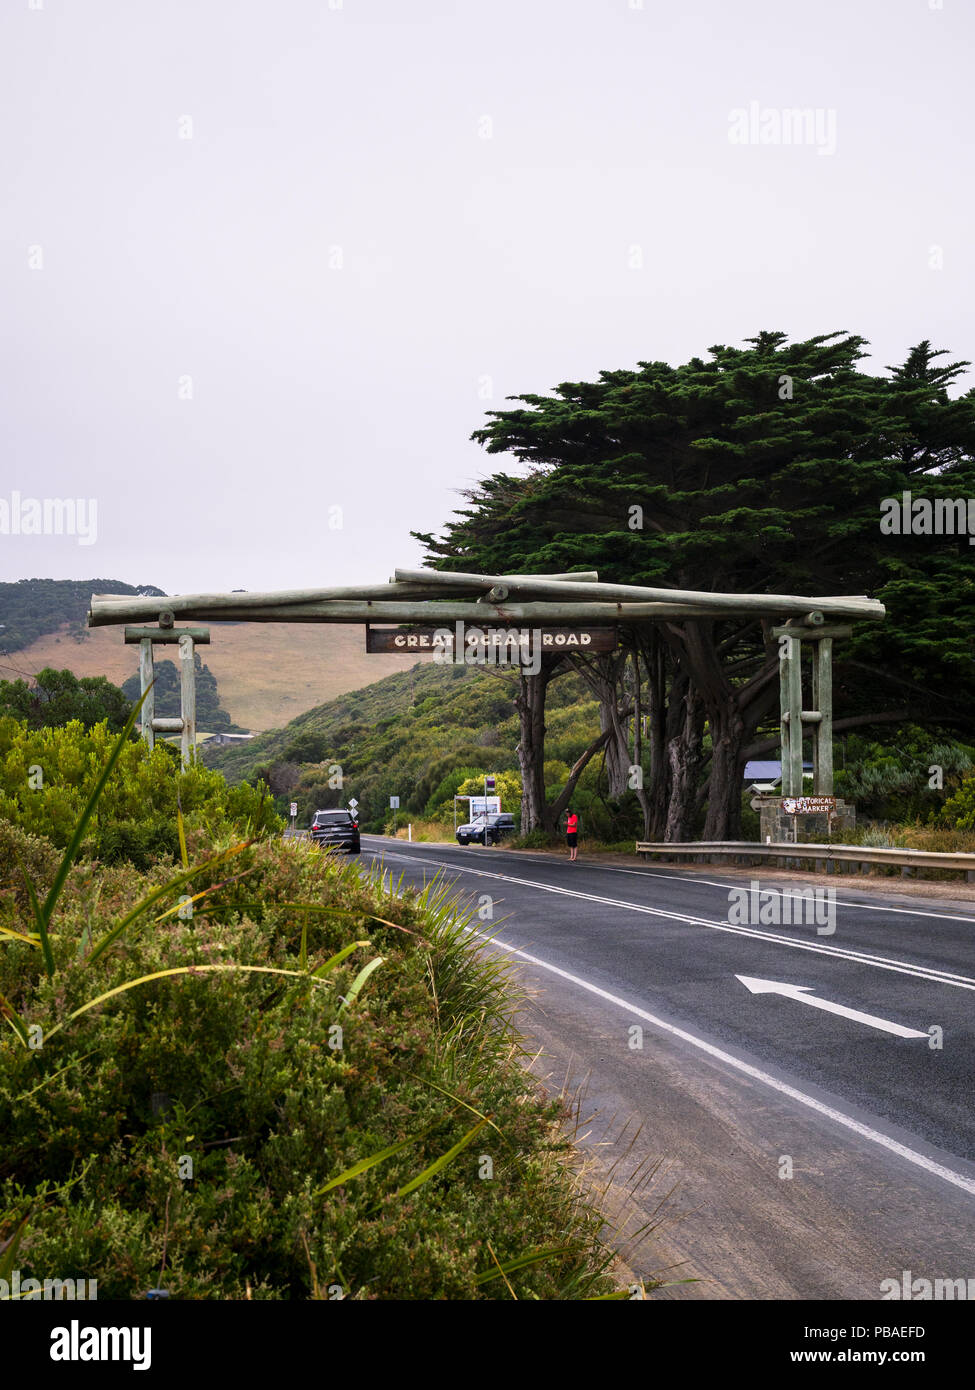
[
  {"x": 900, "y": 967},
  {"x": 874, "y": 1136},
  {"x": 716, "y": 883}
]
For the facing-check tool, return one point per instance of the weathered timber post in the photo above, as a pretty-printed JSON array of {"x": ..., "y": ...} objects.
[
  {"x": 185, "y": 725},
  {"x": 187, "y": 698},
  {"x": 145, "y": 683},
  {"x": 790, "y": 699},
  {"x": 822, "y": 693}
]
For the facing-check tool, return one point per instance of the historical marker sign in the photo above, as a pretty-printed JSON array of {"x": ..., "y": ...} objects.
[
  {"x": 805, "y": 805},
  {"x": 550, "y": 639}
]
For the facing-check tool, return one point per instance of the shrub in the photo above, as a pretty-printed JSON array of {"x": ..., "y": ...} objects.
[
  {"x": 274, "y": 1096},
  {"x": 46, "y": 775}
]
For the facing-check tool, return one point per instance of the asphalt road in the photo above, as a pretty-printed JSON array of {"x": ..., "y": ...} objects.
[{"x": 793, "y": 1134}]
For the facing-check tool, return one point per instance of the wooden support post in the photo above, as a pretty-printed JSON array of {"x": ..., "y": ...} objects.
[
  {"x": 187, "y": 692},
  {"x": 145, "y": 683},
  {"x": 823, "y": 733},
  {"x": 790, "y": 700}
]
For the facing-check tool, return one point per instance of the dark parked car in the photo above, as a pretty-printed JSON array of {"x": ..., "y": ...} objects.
[
  {"x": 486, "y": 830},
  {"x": 336, "y": 830}
]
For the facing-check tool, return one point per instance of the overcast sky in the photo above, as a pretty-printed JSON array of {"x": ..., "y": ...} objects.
[{"x": 265, "y": 259}]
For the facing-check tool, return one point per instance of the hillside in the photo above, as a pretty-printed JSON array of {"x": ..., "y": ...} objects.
[
  {"x": 266, "y": 673},
  {"x": 405, "y": 736},
  {"x": 34, "y": 608}
]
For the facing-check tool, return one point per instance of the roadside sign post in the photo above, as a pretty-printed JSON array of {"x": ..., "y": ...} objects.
[
  {"x": 294, "y": 812},
  {"x": 394, "y": 807}
]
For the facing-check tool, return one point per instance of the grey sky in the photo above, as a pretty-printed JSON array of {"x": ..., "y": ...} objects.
[{"x": 493, "y": 174}]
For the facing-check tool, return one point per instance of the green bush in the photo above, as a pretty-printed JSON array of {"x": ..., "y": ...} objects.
[
  {"x": 271, "y": 1077},
  {"x": 46, "y": 775},
  {"x": 958, "y": 812}
]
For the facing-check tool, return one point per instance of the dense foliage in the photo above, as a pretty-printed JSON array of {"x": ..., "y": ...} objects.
[
  {"x": 268, "y": 1077},
  {"x": 46, "y": 776},
  {"x": 31, "y": 608},
  {"x": 420, "y": 735},
  {"x": 759, "y": 470},
  {"x": 54, "y": 697}
]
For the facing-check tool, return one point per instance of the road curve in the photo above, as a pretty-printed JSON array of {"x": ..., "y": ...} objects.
[{"x": 798, "y": 1097}]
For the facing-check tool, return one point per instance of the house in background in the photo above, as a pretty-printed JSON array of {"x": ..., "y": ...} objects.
[{"x": 767, "y": 776}]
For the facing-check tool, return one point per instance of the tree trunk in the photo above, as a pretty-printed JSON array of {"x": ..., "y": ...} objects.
[
  {"x": 683, "y": 761},
  {"x": 728, "y": 736},
  {"x": 530, "y": 704},
  {"x": 603, "y": 675},
  {"x": 655, "y": 812},
  {"x": 564, "y": 797}
]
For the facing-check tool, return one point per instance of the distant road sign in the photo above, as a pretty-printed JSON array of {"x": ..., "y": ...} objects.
[
  {"x": 352, "y": 802},
  {"x": 294, "y": 809},
  {"x": 798, "y": 805},
  {"x": 394, "y": 803},
  {"x": 488, "y": 785}
]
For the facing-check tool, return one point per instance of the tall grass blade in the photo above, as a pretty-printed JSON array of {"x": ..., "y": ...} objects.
[
  {"x": 339, "y": 957},
  {"x": 162, "y": 974},
  {"x": 14, "y": 1019},
  {"x": 152, "y": 898},
  {"x": 532, "y": 1257},
  {"x": 440, "y": 1163},
  {"x": 360, "y": 980},
  {"x": 365, "y": 1164},
  {"x": 77, "y": 838},
  {"x": 41, "y": 923},
  {"x": 181, "y": 828}
]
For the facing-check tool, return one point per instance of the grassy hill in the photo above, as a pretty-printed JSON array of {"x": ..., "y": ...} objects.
[
  {"x": 35, "y": 608},
  {"x": 409, "y": 735},
  {"x": 266, "y": 672}
]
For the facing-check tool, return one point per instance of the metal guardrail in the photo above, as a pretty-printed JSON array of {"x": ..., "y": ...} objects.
[{"x": 823, "y": 856}]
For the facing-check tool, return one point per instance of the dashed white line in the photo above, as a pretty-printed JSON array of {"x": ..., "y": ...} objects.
[{"x": 899, "y": 967}]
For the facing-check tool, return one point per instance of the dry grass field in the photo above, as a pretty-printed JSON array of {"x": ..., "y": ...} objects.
[{"x": 267, "y": 673}]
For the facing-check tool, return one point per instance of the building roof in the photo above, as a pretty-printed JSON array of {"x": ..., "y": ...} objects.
[{"x": 769, "y": 771}]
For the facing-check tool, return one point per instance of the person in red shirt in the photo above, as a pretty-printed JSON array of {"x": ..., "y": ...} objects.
[{"x": 572, "y": 835}]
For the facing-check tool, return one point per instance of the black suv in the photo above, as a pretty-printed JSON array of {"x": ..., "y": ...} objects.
[
  {"x": 487, "y": 830},
  {"x": 336, "y": 830}
]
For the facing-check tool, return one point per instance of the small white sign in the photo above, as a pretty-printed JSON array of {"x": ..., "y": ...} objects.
[
  {"x": 294, "y": 809},
  {"x": 394, "y": 803},
  {"x": 353, "y": 803}
]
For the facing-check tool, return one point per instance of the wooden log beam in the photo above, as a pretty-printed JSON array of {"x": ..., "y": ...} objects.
[
  {"x": 170, "y": 635},
  {"x": 150, "y": 607},
  {"x": 842, "y": 605},
  {"x": 114, "y": 609},
  {"x": 478, "y": 614}
]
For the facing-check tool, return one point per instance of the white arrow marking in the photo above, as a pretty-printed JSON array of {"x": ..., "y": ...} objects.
[{"x": 800, "y": 992}]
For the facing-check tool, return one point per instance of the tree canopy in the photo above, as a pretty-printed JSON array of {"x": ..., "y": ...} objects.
[
  {"x": 56, "y": 697},
  {"x": 759, "y": 469}
]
